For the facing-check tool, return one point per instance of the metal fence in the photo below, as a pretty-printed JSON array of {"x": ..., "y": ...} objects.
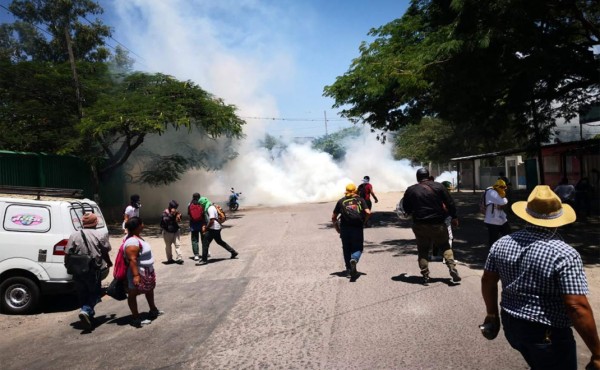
[{"x": 45, "y": 170}]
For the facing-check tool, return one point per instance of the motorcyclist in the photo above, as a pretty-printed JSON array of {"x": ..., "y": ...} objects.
[{"x": 233, "y": 200}]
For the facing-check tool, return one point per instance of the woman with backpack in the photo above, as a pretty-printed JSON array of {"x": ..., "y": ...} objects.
[{"x": 141, "y": 277}]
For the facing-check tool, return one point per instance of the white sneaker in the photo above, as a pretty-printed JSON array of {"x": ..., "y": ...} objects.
[{"x": 196, "y": 258}]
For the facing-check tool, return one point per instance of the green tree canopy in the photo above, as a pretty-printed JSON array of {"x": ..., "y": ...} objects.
[
  {"x": 92, "y": 105},
  {"x": 23, "y": 41},
  {"x": 485, "y": 68}
]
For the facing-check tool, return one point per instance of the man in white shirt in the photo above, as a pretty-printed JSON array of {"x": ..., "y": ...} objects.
[
  {"x": 212, "y": 230},
  {"x": 495, "y": 217}
]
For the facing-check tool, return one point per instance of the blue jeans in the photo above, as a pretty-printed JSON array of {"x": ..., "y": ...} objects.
[
  {"x": 352, "y": 243},
  {"x": 542, "y": 346},
  {"x": 88, "y": 289}
]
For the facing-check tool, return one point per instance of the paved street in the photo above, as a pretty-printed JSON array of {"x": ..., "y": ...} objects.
[{"x": 283, "y": 304}]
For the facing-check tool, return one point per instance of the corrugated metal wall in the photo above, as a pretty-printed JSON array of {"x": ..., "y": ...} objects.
[{"x": 45, "y": 170}]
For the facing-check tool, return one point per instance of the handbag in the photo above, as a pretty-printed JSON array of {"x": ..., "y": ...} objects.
[
  {"x": 147, "y": 282},
  {"x": 116, "y": 290}
]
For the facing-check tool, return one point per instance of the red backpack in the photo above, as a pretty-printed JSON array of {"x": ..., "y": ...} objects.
[
  {"x": 120, "y": 266},
  {"x": 196, "y": 212}
]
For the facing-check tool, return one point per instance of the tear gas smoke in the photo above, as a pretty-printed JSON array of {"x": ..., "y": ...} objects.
[{"x": 294, "y": 174}]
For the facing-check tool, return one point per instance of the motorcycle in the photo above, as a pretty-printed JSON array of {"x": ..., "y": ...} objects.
[{"x": 233, "y": 203}]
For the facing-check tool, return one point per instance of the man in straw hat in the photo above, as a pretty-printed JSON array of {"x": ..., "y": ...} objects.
[
  {"x": 543, "y": 287},
  {"x": 354, "y": 214}
]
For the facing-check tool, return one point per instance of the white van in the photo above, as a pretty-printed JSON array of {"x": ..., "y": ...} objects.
[{"x": 33, "y": 235}]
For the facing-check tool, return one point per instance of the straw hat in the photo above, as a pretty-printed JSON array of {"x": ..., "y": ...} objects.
[{"x": 544, "y": 208}]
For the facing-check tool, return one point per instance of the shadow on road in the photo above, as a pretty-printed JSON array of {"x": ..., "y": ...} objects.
[
  {"x": 418, "y": 280},
  {"x": 470, "y": 238}
]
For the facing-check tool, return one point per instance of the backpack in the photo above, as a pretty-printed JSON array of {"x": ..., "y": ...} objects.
[
  {"x": 120, "y": 265},
  {"x": 482, "y": 202},
  {"x": 196, "y": 212},
  {"x": 362, "y": 190},
  {"x": 170, "y": 226},
  {"x": 352, "y": 211},
  {"x": 221, "y": 217}
]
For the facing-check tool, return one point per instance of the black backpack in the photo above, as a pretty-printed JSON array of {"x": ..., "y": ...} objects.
[{"x": 352, "y": 211}]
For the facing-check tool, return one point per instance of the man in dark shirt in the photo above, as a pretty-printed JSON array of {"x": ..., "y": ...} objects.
[
  {"x": 353, "y": 213},
  {"x": 429, "y": 203}
]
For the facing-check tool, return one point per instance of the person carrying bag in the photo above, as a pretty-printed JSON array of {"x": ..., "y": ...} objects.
[{"x": 86, "y": 254}]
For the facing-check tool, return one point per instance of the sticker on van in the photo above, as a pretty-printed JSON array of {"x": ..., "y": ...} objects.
[{"x": 27, "y": 218}]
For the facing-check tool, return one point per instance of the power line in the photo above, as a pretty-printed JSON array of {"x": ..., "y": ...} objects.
[
  {"x": 117, "y": 41},
  {"x": 294, "y": 119}
]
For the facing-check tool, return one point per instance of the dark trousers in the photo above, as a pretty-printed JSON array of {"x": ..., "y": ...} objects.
[
  {"x": 195, "y": 240},
  {"x": 88, "y": 290},
  {"x": 208, "y": 237},
  {"x": 432, "y": 235},
  {"x": 497, "y": 231},
  {"x": 352, "y": 243},
  {"x": 543, "y": 347}
]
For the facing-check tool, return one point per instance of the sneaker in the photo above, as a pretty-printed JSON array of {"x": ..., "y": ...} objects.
[
  {"x": 138, "y": 323},
  {"x": 153, "y": 314},
  {"x": 202, "y": 262},
  {"x": 169, "y": 262},
  {"x": 196, "y": 258},
  {"x": 234, "y": 254},
  {"x": 426, "y": 280},
  {"x": 455, "y": 277},
  {"x": 353, "y": 271},
  {"x": 179, "y": 262},
  {"x": 85, "y": 319}
]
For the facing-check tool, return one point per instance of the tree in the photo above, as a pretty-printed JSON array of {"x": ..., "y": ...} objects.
[
  {"x": 333, "y": 143},
  {"x": 60, "y": 18},
  {"x": 149, "y": 104},
  {"x": 486, "y": 68},
  {"x": 103, "y": 112}
]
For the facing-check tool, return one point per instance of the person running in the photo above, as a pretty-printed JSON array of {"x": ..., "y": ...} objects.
[
  {"x": 353, "y": 214},
  {"x": 429, "y": 203},
  {"x": 495, "y": 216},
  {"x": 544, "y": 288},
  {"x": 365, "y": 191},
  {"x": 212, "y": 231}
]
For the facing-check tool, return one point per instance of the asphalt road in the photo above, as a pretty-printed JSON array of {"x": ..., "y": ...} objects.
[{"x": 282, "y": 304}]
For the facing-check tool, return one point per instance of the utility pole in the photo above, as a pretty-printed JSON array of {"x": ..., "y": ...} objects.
[{"x": 325, "y": 115}]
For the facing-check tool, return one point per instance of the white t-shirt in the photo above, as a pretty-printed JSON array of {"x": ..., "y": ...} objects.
[
  {"x": 494, "y": 215},
  {"x": 212, "y": 213},
  {"x": 145, "y": 258},
  {"x": 131, "y": 211}
]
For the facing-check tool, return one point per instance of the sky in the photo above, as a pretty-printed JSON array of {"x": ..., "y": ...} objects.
[{"x": 271, "y": 59}]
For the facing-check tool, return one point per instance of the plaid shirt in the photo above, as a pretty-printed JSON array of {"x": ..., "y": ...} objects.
[{"x": 536, "y": 268}]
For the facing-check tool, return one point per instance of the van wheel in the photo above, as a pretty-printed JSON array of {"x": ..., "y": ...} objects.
[{"x": 19, "y": 295}]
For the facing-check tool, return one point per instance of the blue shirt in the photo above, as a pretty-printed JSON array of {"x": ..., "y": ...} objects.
[{"x": 536, "y": 267}]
